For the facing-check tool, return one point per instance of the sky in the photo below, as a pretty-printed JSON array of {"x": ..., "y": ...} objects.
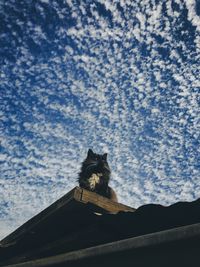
[{"x": 117, "y": 76}]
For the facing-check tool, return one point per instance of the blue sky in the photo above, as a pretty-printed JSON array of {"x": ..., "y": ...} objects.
[{"x": 116, "y": 76}]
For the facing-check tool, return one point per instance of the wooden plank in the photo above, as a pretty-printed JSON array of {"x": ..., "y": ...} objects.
[
  {"x": 104, "y": 203},
  {"x": 78, "y": 193}
]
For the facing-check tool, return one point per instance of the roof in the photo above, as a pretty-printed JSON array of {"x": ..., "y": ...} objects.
[
  {"x": 180, "y": 245},
  {"x": 65, "y": 225},
  {"x": 72, "y": 226}
]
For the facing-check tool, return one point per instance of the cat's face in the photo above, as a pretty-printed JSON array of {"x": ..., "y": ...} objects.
[{"x": 96, "y": 163}]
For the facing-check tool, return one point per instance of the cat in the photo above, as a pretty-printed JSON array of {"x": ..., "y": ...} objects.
[{"x": 95, "y": 175}]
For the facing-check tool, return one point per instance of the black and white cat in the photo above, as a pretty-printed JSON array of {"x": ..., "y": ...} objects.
[{"x": 95, "y": 175}]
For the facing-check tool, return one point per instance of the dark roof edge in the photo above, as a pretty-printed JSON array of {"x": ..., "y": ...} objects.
[
  {"x": 78, "y": 195},
  {"x": 144, "y": 241}
]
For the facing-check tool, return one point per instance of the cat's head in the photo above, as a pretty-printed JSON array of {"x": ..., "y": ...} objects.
[{"x": 96, "y": 163}]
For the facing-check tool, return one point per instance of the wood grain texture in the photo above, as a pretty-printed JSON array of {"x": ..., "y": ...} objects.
[{"x": 104, "y": 203}]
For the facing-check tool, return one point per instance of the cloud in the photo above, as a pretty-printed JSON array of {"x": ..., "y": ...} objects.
[{"x": 120, "y": 78}]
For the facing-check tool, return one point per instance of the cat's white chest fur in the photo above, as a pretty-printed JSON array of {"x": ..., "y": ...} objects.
[{"x": 94, "y": 179}]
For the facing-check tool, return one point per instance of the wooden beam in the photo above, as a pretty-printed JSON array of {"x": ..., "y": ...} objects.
[{"x": 102, "y": 202}]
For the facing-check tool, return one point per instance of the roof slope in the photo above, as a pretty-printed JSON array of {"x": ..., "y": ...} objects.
[
  {"x": 68, "y": 224},
  {"x": 71, "y": 224}
]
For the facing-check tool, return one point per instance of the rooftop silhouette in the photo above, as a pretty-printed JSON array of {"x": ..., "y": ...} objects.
[{"x": 86, "y": 229}]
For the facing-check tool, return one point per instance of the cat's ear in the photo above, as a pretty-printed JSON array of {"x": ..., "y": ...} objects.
[
  {"x": 90, "y": 153},
  {"x": 105, "y": 156}
]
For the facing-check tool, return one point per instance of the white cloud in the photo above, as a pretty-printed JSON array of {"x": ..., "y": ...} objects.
[
  {"x": 192, "y": 14},
  {"x": 110, "y": 88}
]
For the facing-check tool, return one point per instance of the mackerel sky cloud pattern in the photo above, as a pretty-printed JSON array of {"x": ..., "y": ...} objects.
[{"x": 121, "y": 77}]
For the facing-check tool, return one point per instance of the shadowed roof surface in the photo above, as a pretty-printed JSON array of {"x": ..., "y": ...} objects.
[{"x": 72, "y": 223}]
